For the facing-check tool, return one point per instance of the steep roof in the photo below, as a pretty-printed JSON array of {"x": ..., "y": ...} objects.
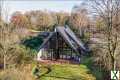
[
  {"x": 69, "y": 37},
  {"x": 47, "y": 39}
]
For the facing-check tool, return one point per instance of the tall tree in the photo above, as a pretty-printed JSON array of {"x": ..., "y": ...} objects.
[
  {"x": 79, "y": 19},
  {"x": 8, "y": 39},
  {"x": 61, "y": 18},
  {"x": 109, "y": 12}
]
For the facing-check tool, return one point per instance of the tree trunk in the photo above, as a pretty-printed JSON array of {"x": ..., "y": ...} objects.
[
  {"x": 114, "y": 64},
  {"x": 4, "y": 62}
]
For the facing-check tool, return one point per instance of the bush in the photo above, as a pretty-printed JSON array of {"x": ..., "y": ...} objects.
[
  {"x": 11, "y": 74},
  {"x": 26, "y": 55},
  {"x": 15, "y": 74},
  {"x": 21, "y": 55}
]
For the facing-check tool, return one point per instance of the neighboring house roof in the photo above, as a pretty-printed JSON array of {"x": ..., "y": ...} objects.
[{"x": 69, "y": 38}]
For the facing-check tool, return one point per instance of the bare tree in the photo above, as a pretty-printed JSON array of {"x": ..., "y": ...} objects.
[
  {"x": 8, "y": 39},
  {"x": 79, "y": 19},
  {"x": 109, "y": 12},
  {"x": 61, "y": 18},
  {"x": 41, "y": 19},
  {"x": 1, "y": 5}
]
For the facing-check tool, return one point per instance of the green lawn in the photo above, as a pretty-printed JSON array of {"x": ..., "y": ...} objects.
[
  {"x": 95, "y": 70},
  {"x": 67, "y": 72}
]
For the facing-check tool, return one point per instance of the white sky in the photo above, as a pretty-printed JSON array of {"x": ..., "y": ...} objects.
[{"x": 26, "y": 5}]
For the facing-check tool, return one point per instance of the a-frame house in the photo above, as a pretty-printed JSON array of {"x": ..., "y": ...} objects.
[{"x": 62, "y": 43}]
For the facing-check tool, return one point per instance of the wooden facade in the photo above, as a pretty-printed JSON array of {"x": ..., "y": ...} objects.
[
  {"x": 57, "y": 48},
  {"x": 62, "y": 44}
]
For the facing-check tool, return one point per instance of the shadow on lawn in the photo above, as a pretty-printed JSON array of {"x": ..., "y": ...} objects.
[
  {"x": 95, "y": 70},
  {"x": 49, "y": 70},
  {"x": 73, "y": 78}
]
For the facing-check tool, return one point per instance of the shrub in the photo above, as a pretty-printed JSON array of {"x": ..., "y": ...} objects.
[
  {"x": 15, "y": 74},
  {"x": 21, "y": 55},
  {"x": 11, "y": 74},
  {"x": 26, "y": 55}
]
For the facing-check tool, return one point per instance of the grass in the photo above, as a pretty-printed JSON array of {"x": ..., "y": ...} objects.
[
  {"x": 84, "y": 71},
  {"x": 95, "y": 70},
  {"x": 68, "y": 72}
]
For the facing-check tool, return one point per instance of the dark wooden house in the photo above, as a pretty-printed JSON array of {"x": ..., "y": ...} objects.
[{"x": 61, "y": 44}]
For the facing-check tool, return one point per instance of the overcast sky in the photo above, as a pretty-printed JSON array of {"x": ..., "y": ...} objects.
[{"x": 50, "y": 5}]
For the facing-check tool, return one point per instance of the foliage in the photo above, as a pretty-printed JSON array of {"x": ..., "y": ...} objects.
[
  {"x": 15, "y": 75},
  {"x": 26, "y": 54},
  {"x": 20, "y": 55},
  {"x": 61, "y": 18},
  {"x": 22, "y": 73},
  {"x": 19, "y": 20},
  {"x": 8, "y": 41},
  {"x": 39, "y": 20},
  {"x": 10, "y": 50}
]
